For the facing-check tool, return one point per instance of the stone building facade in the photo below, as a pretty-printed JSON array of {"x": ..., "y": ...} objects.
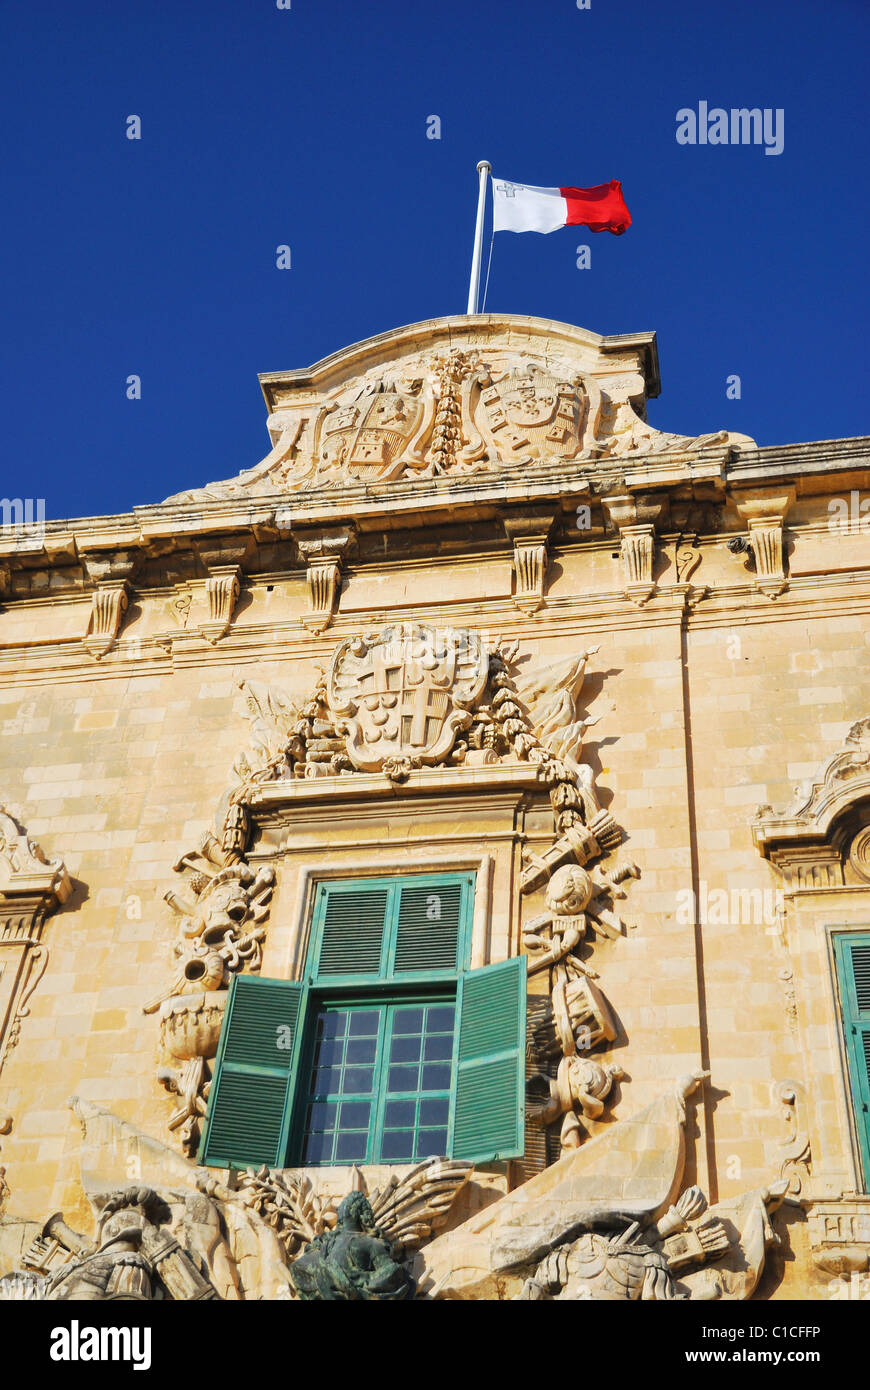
[{"x": 467, "y": 808}]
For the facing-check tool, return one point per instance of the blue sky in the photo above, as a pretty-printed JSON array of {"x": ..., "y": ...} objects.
[{"x": 307, "y": 127}]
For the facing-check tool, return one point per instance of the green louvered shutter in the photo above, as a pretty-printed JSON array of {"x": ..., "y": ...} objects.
[
  {"x": 853, "y": 966},
  {"x": 352, "y": 930},
  {"x": 252, "y": 1090},
  {"x": 429, "y": 929},
  {"x": 489, "y": 1114}
]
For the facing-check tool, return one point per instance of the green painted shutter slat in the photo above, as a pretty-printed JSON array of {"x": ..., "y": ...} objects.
[
  {"x": 853, "y": 967},
  {"x": 252, "y": 1088},
  {"x": 489, "y": 1110},
  {"x": 860, "y": 954},
  {"x": 352, "y": 937},
  {"x": 428, "y": 930}
]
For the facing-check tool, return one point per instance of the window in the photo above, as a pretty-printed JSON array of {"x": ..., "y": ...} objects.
[
  {"x": 389, "y": 1051},
  {"x": 852, "y": 953}
]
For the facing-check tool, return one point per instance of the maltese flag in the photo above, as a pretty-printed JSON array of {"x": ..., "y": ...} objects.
[{"x": 520, "y": 207}]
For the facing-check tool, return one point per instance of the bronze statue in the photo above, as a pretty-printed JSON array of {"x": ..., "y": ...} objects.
[{"x": 355, "y": 1261}]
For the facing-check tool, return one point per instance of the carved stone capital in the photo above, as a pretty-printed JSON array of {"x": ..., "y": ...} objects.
[
  {"x": 222, "y": 588},
  {"x": 323, "y": 553},
  {"x": 764, "y": 513}
]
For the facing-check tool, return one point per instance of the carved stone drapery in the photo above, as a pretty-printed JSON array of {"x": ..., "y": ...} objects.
[
  {"x": 323, "y": 555},
  {"x": 764, "y": 513},
  {"x": 31, "y": 888}
]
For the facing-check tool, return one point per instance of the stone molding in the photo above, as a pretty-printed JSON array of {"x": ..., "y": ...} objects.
[{"x": 31, "y": 888}]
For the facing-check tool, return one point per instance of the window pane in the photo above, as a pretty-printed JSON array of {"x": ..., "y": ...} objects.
[
  {"x": 364, "y": 1024},
  {"x": 403, "y": 1078},
  {"x": 408, "y": 1021},
  {"x": 358, "y": 1081},
  {"x": 405, "y": 1050},
  {"x": 431, "y": 1143},
  {"x": 434, "y": 1112},
  {"x": 409, "y": 1096},
  {"x": 351, "y": 1148},
  {"x": 326, "y": 1080},
  {"x": 397, "y": 1144},
  {"x": 400, "y": 1114},
  {"x": 317, "y": 1148},
  {"x": 441, "y": 1019},
  {"x": 321, "y": 1116},
  {"x": 436, "y": 1078},
  {"x": 328, "y": 1052},
  {"x": 355, "y": 1114}
]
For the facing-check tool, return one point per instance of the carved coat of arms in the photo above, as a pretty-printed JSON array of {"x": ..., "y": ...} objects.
[
  {"x": 529, "y": 413},
  {"x": 375, "y": 435},
  {"x": 405, "y": 692}
]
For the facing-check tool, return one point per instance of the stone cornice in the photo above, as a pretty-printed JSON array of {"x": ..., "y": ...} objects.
[{"x": 165, "y": 527}]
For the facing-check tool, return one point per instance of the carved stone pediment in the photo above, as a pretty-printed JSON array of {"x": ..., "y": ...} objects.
[
  {"x": 825, "y": 827},
  {"x": 25, "y": 873},
  {"x": 483, "y": 394}
]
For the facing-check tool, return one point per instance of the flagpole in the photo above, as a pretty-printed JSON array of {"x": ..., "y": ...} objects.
[{"x": 483, "y": 169}]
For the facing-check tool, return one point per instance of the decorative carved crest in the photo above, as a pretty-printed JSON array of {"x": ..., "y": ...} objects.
[
  {"x": 373, "y": 436},
  {"x": 528, "y": 413},
  {"x": 405, "y": 692}
]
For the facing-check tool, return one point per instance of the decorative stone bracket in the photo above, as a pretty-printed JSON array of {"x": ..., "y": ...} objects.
[
  {"x": 110, "y": 572},
  {"x": 108, "y": 606},
  {"x": 222, "y": 588},
  {"x": 529, "y": 531},
  {"x": 31, "y": 888},
  {"x": 324, "y": 554},
  {"x": 635, "y": 519},
  {"x": 764, "y": 513}
]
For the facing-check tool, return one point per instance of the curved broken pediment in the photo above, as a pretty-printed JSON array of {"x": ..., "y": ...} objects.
[{"x": 486, "y": 393}]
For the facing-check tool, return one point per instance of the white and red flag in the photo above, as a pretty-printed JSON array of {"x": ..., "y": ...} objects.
[{"x": 521, "y": 207}]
